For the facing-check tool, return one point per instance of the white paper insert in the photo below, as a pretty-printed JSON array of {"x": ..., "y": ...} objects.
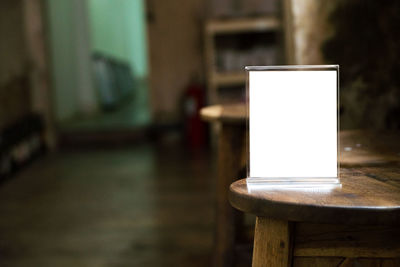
[{"x": 293, "y": 124}]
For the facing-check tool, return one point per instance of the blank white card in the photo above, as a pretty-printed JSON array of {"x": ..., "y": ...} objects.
[{"x": 293, "y": 124}]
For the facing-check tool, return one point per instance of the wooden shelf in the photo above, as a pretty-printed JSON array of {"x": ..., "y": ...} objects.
[
  {"x": 229, "y": 78},
  {"x": 232, "y": 26},
  {"x": 238, "y": 25}
]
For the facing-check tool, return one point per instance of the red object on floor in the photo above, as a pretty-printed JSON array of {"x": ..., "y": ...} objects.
[{"x": 194, "y": 126}]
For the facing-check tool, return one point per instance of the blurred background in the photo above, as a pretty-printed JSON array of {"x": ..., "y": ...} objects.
[{"x": 104, "y": 159}]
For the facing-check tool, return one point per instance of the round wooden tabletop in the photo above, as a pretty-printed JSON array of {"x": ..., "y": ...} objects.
[
  {"x": 234, "y": 113},
  {"x": 369, "y": 195}
]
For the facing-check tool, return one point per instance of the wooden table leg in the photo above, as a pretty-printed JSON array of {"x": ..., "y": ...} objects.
[
  {"x": 230, "y": 153},
  {"x": 272, "y": 243}
]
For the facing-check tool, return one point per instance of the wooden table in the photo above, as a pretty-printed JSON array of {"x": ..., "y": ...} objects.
[
  {"x": 356, "y": 225},
  {"x": 231, "y": 161},
  {"x": 357, "y": 148}
]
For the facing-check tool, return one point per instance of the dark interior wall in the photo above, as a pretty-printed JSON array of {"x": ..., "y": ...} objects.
[
  {"x": 366, "y": 44},
  {"x": 14, "y": 79},
  {"x": 311, "y": 27},
  {"x": 362, "y": 36},
  {"x": 176, "y": 51}
]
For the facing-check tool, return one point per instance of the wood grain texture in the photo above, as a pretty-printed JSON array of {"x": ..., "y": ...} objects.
[
  {"x": 362, "y": 153},
  {"x": 230, "y": 145},
  {"x": 390, "y": 262},
  {"x": 365, "y": 148},
  {"x": 235, "y": 113},
  {"x": 136, "y": 206},
  {"x": 271, "y": 243},
  {"x": 333, "y": 240},
  {"x": 317, "y": 261},
  {"x": 290, "y": 53},
  {"x": 364, "y": 198},
  {"x": 353, "y": 262},
  {"x": 357, "y": 147}
]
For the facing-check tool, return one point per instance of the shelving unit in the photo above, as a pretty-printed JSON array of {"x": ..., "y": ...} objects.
[
  {"x": 214, "y": 28},
  {"x": 228, "y": 78},
  {"x": 237, "y": 25}
]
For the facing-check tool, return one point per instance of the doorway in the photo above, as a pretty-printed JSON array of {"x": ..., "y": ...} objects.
[{"x": 99, "y": 68}]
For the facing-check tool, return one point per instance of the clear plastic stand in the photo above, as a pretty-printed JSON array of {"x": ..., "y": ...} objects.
[{"x": 292, "y": 126}]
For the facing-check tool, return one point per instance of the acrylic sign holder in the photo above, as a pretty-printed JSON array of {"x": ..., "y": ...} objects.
[{"x": 292, "y": 126}]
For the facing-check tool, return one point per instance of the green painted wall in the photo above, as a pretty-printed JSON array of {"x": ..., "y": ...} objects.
[
  {"x": 118, "y": 29},
  {"x": 76, "y": 29},
  {"x": 70, "y": 53},
  {"x": 62, "y": 58}
]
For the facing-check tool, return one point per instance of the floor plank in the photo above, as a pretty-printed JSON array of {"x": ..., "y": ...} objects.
[{"x": 142, "y": 206}]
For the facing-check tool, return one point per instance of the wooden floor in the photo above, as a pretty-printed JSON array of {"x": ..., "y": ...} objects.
[{"x": 140, "y": 206}]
